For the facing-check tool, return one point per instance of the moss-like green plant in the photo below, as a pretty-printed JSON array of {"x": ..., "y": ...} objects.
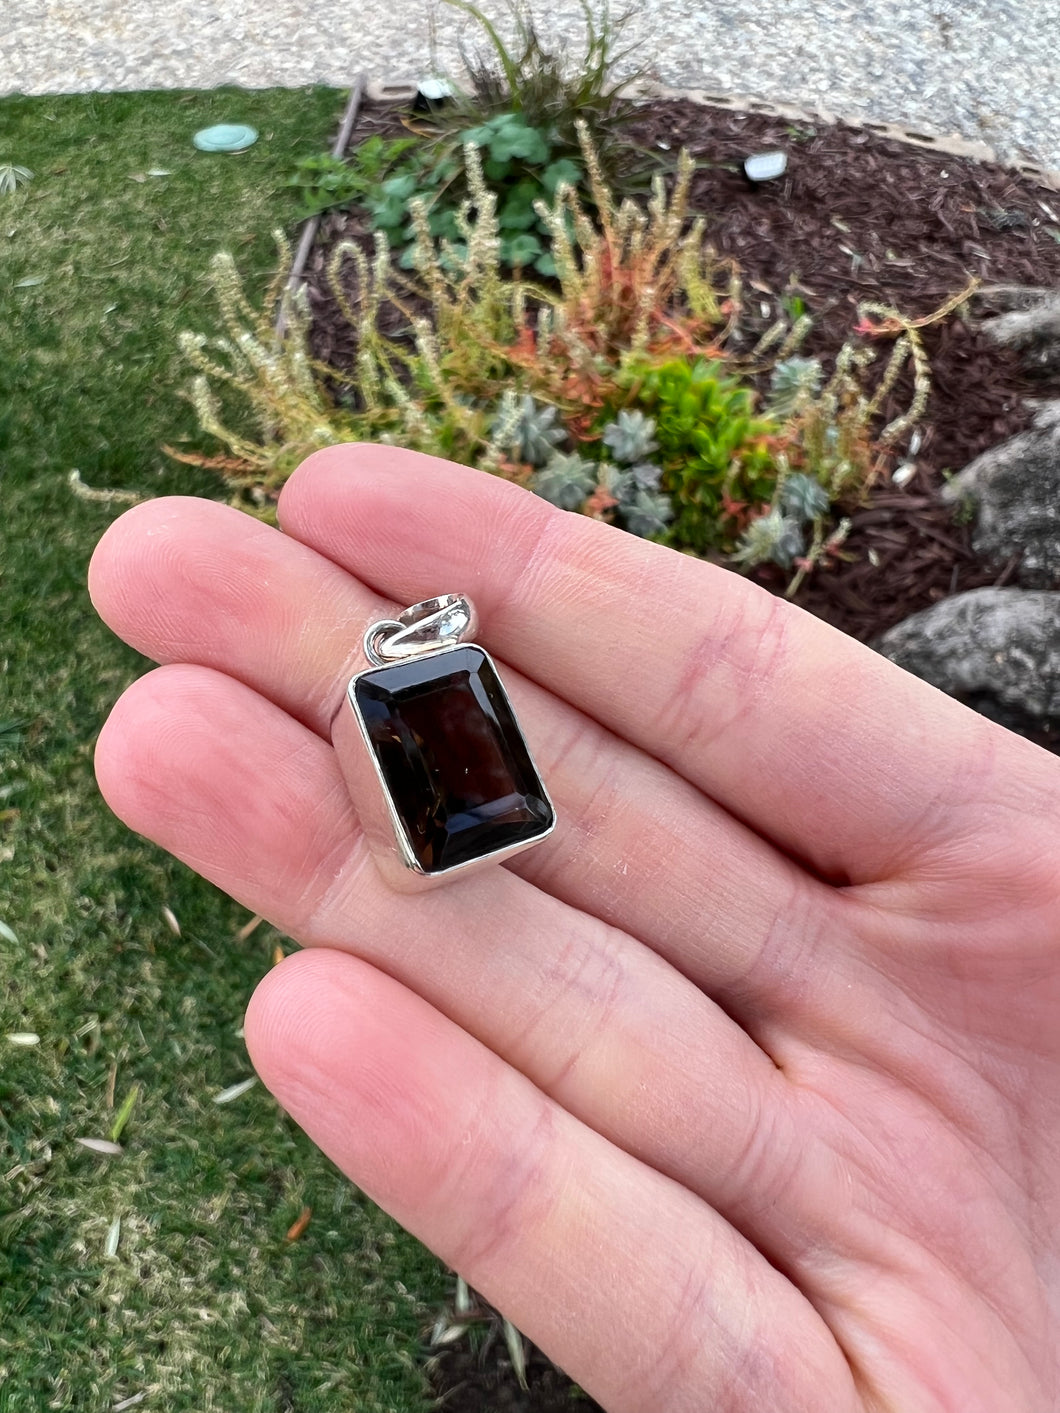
[{"x": 712, "y": 449}]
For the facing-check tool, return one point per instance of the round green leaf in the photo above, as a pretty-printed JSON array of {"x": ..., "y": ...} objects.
[
  {"x": 562, "y": 171},
  {"x": 520, "y": 249},
  {"x": 517, "y": 213}
]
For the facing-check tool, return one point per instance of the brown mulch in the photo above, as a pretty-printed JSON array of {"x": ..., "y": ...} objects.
[{"x": 857, "y": 216}]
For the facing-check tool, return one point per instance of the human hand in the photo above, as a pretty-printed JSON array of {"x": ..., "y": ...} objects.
[{"x": 741, "y": 1091}]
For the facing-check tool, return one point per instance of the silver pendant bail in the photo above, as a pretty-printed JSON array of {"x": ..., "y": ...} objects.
[{"x": 441, "y": 622}]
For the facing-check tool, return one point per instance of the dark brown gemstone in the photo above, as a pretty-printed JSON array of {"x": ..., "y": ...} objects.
[{"x": 452, "y": 756}]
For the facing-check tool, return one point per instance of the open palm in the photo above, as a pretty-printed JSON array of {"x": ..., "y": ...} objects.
[{"x": 742, "y": 1091}]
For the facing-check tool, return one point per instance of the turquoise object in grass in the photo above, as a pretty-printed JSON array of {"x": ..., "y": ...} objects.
[{"x": 225, "y": 137}]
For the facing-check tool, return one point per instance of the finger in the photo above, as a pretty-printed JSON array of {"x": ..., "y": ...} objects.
[
  {"x": 183, "y": 579},
  {"x": 255, "y": 802},
  {"x": 639, "y": 1291},
  {"x": 819, "y": 743},
  {"x": 188, "y": 580}
]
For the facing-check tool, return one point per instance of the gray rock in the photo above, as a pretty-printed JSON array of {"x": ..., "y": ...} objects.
[
  {"x": 990, "y": 300},
  {"x": 1024, "y": 319},
  {"x": 1046, "y": 414},
  {"x": 997, "y": 649},
  {"x": 1015, "y": 488}
]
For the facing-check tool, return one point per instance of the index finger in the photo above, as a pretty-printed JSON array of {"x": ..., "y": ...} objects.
[{"x": 841, "y": 758}]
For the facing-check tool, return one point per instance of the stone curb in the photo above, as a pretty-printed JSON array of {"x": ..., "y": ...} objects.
[{"x": 396, "y": 90}]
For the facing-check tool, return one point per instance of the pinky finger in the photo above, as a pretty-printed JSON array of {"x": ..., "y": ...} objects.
[{"x": 636, "y": 1288}]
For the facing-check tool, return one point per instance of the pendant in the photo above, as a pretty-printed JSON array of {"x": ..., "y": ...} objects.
[{"x": 436, "y": 764}]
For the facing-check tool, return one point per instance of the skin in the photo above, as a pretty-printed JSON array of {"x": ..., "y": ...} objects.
[{"x": 741, "y": 1091}]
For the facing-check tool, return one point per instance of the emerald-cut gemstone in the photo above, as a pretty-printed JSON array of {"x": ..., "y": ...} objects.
[{"x": 452, "y": 757}]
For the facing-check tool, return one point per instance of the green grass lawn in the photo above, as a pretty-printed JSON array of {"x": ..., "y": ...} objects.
[{"x": 202, "y": 1304}]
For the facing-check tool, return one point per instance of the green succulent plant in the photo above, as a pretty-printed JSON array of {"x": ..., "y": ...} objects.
[
  {"x": 792, "y": 384},
  {"x": 646, "y": 475},
  {"x": 535, "y": 435},
  {"x": 640, "y": 508},
  {"x": 803, "y": 498},
  {"x": 616, "y": 482},
  {"x": 647, "y": 513},
  {"x": 630, "y": 436},
  {"x": 566, "y": 480},
  {"x": 552, "y": 84},
  {"x": 504, "y": 136},
  {"x": 710, "y": 446},
  {"x": 772, "y": 536}
]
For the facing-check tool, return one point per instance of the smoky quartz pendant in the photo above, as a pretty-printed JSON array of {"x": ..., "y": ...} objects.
[{"x": 437, "y": 766}]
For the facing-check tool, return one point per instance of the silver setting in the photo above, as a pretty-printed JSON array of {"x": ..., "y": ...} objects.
[{"x": 441, "y": 622}]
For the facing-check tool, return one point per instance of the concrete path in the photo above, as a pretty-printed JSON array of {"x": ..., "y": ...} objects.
[{"x": 986, "y": 69}]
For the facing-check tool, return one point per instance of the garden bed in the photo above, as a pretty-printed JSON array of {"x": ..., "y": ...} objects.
[{"x": 857, "y": 216}]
